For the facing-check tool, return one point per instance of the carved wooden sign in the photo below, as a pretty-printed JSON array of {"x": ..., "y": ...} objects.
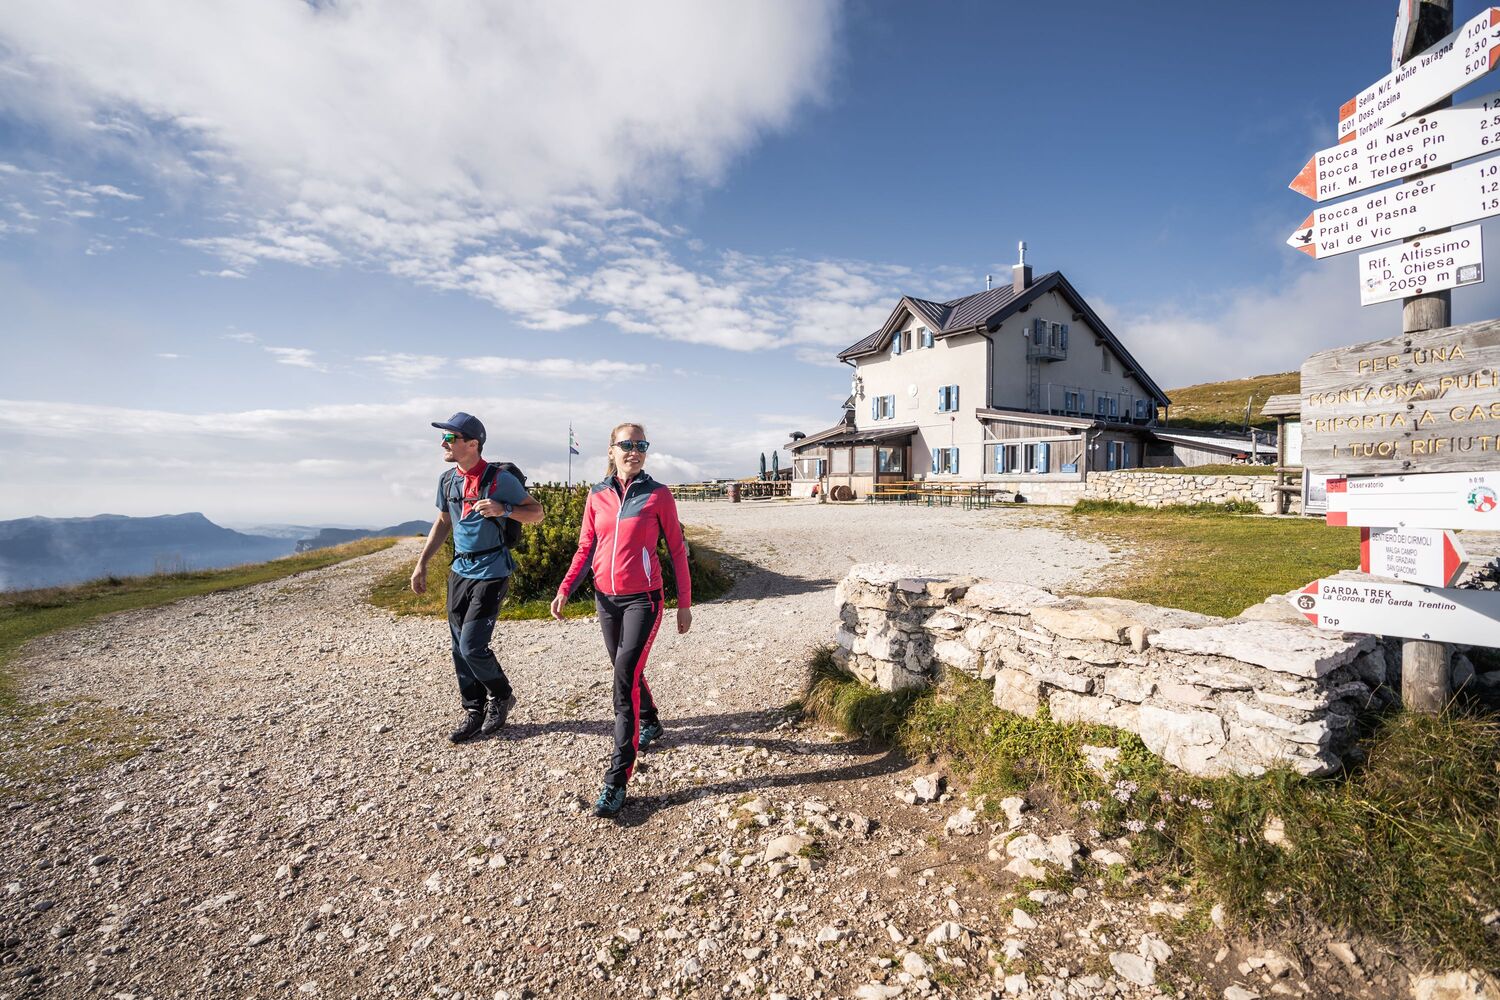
[{"x": 1420, "y": 402}]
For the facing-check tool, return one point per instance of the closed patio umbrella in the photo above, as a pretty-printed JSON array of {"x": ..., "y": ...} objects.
[{"x": 762, "y": 466}]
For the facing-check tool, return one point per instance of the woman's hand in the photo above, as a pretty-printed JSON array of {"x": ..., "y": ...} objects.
[
  {"x": 684, "y": 620},
  {"x": 557, "y": 606}
]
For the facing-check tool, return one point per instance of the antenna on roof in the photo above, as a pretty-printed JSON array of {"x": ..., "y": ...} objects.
[{"x": 1023, "y": 253}]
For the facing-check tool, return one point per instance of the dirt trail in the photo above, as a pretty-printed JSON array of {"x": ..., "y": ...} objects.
[{"x": 299, "y": 826}]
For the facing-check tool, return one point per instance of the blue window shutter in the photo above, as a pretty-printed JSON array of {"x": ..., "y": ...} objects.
[
  {"x": 890, "y": 406},
  {"x": 1044, "y": 459},
  {"x": 1065, "y": 336},
  {"x": 874, "y": 407},
  {"x": 934, "y": 461},
  {"x": 954, "y": 469},
  {"x": 955, "y": 397},
  {"x": 896, "y": 344}
]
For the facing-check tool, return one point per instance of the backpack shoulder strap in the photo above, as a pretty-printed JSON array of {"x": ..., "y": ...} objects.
[{"x": 491, "y": 470}]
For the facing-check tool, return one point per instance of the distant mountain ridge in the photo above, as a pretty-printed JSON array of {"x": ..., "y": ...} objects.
[
  {"x": 338, "y": 536},
  {"x": 54, "y": 551}
]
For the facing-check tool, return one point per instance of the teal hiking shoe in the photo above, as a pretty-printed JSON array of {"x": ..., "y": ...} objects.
[
  {"x": 650, "y": 733},
  {"x": 610, "y": 801}
]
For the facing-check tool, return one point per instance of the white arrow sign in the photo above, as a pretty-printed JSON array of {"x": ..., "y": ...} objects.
[
  {"x": 1434, "y": 201},
  {"x": 1422, "y": 81},
  {"x": 1416, "y": 267},
  {"x": 1417, "y": 555},
  {"x": 1432, "y": 500},
  {"x": 1406, "y": 148},
  {"x": 1350, "y": 605}
]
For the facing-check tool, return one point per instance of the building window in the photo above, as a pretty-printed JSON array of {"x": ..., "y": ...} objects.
[
  {"x": 840, "y": 461},
  {"x": 882, "y": 407},
  {"x": 906, "y": 340},
  {"x": 1004, "y": 458},
  {"x": 1104, "y": 354},
  {"x": 947, "y": 398},
  {"x": 925, "y": 336},
  {"x": 1073, "y": 402},
  {"x": 811, "y": 468},
  {"x": 945, "y": 461},
  {"x": 891, "y": 459},
  {"x": 1141, "y": 413},
  {"x": 1036, "y": 458},
  {"x": 864, "y": 461}
]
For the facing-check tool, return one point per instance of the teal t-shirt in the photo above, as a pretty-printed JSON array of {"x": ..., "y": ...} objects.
[{"x": 474, "y": 532}]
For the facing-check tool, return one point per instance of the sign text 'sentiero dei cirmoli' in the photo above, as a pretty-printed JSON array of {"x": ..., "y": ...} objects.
[{"x": 1420, "y": 402}]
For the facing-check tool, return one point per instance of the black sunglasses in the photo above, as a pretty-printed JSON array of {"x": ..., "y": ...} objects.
[{"x": 640, "y": 446}]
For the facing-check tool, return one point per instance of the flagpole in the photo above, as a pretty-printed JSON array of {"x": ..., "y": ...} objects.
[{"x": 570, "y": 456}]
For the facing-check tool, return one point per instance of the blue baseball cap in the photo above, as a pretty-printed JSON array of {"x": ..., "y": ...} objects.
[{"x": 463, "y": 423}]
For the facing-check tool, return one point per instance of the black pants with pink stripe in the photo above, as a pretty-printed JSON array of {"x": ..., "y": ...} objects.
[{"x": 629, "y": 622}]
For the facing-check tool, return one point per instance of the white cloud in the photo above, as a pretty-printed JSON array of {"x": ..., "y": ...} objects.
[
  {"x": 407, "y": 367},
  {"x": 242, "y": 336},
  {"x": 168, "y": 355},
  {"x": 297, "y": 357},
  {"x": 565, "y": 368},
  {"x": 225, "y": 273}
]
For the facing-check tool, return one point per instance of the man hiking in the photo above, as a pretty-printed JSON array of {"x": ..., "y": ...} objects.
[{"x": 474, "y": 498}]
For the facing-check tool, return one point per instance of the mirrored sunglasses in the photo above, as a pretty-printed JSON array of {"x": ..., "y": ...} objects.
[
  {"x": 450, "y": 438},
  {"x": 640, "y": 446}
]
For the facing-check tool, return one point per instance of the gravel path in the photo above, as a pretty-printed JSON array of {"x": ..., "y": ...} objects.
[{"x": 299, "y": 826}]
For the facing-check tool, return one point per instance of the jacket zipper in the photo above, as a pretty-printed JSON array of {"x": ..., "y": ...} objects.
[{"x": 614, "y": 548}]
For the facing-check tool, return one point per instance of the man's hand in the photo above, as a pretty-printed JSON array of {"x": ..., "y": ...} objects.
[
  {"x": 489, "y": 508},
  {"x": 557, "y": 606},
  {"x": 419, "y": 579},
  {"x": 684, "y": 620}
]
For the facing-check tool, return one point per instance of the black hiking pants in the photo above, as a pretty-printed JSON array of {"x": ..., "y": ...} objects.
[
  {"x": 629, "y": 623},
  {"x": 472, "y": 607}
]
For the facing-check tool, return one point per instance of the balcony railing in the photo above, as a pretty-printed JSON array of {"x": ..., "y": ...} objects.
[
  {"x": 1051, "y": 349},
  {"x": 1077, "y": 401}
]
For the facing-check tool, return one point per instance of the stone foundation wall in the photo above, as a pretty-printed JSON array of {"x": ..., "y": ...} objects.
[
  {"x": 1060, "y": 492},
  {"x": 1210, "y": 695},
  {"x": 1155, "y": 489}
]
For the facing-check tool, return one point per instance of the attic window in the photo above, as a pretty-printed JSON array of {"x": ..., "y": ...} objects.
[{"x": 1104, "y": 353}]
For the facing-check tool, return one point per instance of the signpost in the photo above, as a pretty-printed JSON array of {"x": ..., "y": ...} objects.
[
  {"x": 1416, "y": 555},
  {"x": 1464, "y": 500},
  {"x": 1458, "y": 59},
  {"x": 1426, "y": 265},
  {"x": 1420, "y": 402},
  {"x": 1405, "y": 35},
  {"x": 1432, "y": 201},
  {"x": 1349, "y": 605},
  {"x": 1403, "y": 149}
]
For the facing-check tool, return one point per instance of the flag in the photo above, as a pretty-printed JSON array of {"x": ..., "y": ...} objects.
[{"x": 572, "y": 441}]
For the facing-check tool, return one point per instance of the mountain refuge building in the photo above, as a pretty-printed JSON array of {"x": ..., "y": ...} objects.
[{"x": 1021, "y": 386}]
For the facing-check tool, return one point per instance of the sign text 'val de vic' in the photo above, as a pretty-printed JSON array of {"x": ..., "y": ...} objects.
[
  {"x": 1350, "y": 605},
  {"x": 1460, "y": 58},
  {"x": 1420, "y": 402},
  {"x": 1434, "y": 140},
  {"x": 1432, "y": 201},
  {"x": 1429, "y": 500},
  {"x": 1431, "y": 557},
  {"x": 1416, "y": 267}
]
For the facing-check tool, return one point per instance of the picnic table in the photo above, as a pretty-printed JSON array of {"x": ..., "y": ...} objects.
[{"x": 969, "y": 495}]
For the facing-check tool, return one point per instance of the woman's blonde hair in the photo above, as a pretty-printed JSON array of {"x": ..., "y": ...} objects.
[{"x": 609, "y": 449}]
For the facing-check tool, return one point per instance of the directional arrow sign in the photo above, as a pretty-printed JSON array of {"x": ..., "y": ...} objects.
[
  {"x": 1406, "y": 148},
  {"x": 1416, "y": 555},
  {"x": 1427, "y": 264},
  {"x": 1464, "y": 56},
  {"x": 1352, "y": 605},
  {"x": 1433, "y": 500},
  {"x": 1435, "y": 201}
]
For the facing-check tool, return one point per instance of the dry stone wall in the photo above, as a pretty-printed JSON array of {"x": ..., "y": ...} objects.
[
  {"x": 1210, "y": 695},
  {"x": 1156, "y": 489}
]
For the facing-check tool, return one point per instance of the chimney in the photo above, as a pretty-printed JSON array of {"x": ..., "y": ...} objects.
[
  {"x": 988, "y": 281},
  {"x": 1020, "y": 275}
]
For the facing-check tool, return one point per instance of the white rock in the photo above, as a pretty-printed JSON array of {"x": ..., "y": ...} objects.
[
  {"x": 1016, "y": 985},
  {"x": 1239, "y": 993},
  {"x": 788, "y": 845},
  {"x": 928, "y": 787},
  {"x": 1133, "y": 968},
  {"x": 1341, "y": 951},
  {"x": 828, "y": 935},
  {"x": 1022, "y": 919},
  {"x": 1013, "y": 806},
  {"x": 1154, "y": 947},
  {"x": 948, "y": 930},
  {"x": 914, "y": 965},
  {"x": 963, "y": 823},
  {"x": 878, "y": 991},
  {"x": 1457, "y": 985},
  {"x": 1280, "y": 646}
]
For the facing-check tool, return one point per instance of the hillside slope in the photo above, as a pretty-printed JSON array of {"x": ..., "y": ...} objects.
[{"x": 1221, "y": 405}]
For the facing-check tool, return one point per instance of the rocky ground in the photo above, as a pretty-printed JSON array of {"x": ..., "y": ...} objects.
[{"x": 298, "y": 826}]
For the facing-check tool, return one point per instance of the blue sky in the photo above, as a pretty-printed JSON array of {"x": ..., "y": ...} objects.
[{"x": 248, "y": 251}]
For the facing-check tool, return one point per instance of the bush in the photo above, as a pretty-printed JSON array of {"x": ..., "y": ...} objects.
[{"x": 1192, "y": 509}]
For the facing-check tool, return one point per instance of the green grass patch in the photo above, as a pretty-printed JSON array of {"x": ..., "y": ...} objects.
[
  {"x": 1211, "y": 562},
  {"x": 1404, "y": 847},
  {"x": 1220, "y": 406},
  {"x": 711, "y": 580},
  {"x": 42, "y": 742},
  {"x": 1184, "y": 509},
  {"x": 836, "y": 699}
]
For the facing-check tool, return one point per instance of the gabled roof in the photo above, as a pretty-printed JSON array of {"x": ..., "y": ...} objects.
[
  {"x": 983, "y": 312},
  {"x": 843, "y": 434}
]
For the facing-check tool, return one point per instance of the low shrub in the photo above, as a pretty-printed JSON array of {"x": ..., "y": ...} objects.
[{"x": 1190, "y": 509}]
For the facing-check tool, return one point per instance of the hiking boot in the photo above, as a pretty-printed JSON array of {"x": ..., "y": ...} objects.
[
  {"x": 650, "y": 733},
  {"x": 495, "y": 714},
  {"x": 610, "y": 801},
  {"x": 469, "y": 728}
]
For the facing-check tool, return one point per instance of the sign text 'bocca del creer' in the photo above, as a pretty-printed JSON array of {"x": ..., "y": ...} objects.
[{"x": 1420, "y": 402}]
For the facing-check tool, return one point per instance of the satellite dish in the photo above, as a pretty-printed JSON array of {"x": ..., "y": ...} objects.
[{"x": 911, "y": 390}]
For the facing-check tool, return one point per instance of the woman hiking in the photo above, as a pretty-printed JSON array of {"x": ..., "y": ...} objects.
[{"x": 627, "y": 511}]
